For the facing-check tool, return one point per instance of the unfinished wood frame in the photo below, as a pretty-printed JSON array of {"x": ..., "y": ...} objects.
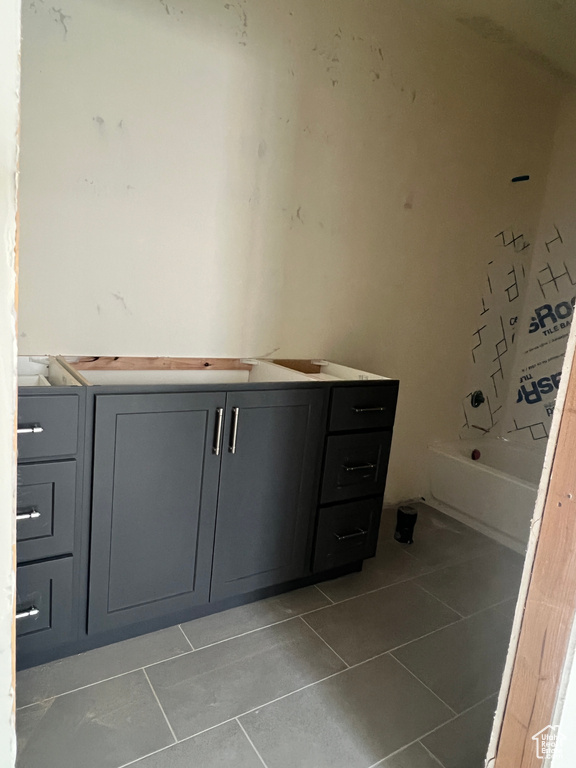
[
  {"x": 550, "y": 606},
  {"x": 159, "y": 364},
  {"x": 304, "y": 366}
]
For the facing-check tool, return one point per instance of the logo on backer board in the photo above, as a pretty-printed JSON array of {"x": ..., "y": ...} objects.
[
  {"x": 547, "y": 742},
  {"x": 532, "y": 392},
  {"x": 551, "y": 319}
]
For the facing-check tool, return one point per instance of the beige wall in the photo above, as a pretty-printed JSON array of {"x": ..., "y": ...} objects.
[
  {"x": 416, "y": 191},
  {"x": 230, "y": 179},
  {"x": 9, "y": 100}
]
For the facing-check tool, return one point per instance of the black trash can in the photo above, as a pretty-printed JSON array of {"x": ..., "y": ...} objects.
[{"x": 405, "y": 522}]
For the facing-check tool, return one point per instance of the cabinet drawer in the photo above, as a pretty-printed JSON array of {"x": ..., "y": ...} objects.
[
  {"x": 47, "y": 426},
  {"x": 363, "y": 407},
  {"x": 346, "y": 533},
  {"x": 355, "y": 465},
  {"x": 43, "y": 604},
  {"x": 46, "y": 505}
]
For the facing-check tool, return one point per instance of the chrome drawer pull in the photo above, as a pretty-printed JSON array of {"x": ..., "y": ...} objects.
[
  {"x": 32, "y": 611},
  {"x": 32, "y": 515},
  {"x": 375, "y": 409},
  {"x": 355, "y": 534},
  {"x": 360, "y": 467},
  {"x": 34, "y": 430},
  {"x": 218, "y": 439},
  {"x": 234, "y": 433}
]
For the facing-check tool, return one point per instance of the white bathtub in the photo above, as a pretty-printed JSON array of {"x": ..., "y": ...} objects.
[{"x": 495, "y": 494}]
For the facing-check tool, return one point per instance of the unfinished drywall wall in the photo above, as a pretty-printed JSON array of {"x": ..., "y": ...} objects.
[
  {"x": 9, "y": 105},
  {"x": 233, "y": 178},
  {"x": 419, "y": 187},
  {"x": 551, "y": 294},
  {"x": 157, "y": 197}
]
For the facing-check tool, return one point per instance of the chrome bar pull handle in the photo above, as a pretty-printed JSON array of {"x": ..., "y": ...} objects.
[
  {"x": 375, "y": 409},
  {"x": 32, "y": 515},
  {"x": 360, "y": 467},
  {"x": 234, "y": 432},
  {"x": 34, "y": 429},
  {"x": 218, "y": 438},
  {"x": 32, "y": 611},
  {"x": 354, "y": 535}
]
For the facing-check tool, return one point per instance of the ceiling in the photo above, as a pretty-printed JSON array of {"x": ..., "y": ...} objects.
[{"x": 542, "y": 31}]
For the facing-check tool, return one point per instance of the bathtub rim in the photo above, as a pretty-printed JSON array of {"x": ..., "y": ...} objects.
[{"x": 481, "y": 466}]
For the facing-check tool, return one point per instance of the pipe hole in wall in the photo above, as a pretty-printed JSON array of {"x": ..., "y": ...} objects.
[{"x": 477, "y": 398}]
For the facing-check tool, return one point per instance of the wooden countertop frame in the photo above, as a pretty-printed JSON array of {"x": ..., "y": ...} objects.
[{"x": 158, "y": 364}]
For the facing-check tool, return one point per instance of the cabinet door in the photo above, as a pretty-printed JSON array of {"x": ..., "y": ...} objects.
[
  {"x": 153, "y": 507},
  {"x": 268, "y": 484}
]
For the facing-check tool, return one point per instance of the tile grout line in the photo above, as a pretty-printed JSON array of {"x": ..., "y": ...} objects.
[
  {"x": 232, "y": 719},
  {"x": 432, "y": 632},
  {"x": 169, "y": 658},
  {"x": 161, "y": 707},
  {"x": 433, "y": 569},
  {"x": 251, "y": 742},
  {"x": 283, "y": 621},
  {"x": 303, "y": 688},
  {"x": 181, "y": 741},
  {"x": 322, "y": 680},
  {"x": 325, "y": 595},
  {"x": 104, "y": 680},
  {"x": 424, "y": 684},
  {"x": 146, "y": 756},
  {"x": 332, "y": 602},
  {"x": 439, "y": 600},
  {"x": 325, "y": 642},
  {"x": 305, "y": 613},
  {"x": 432, "y": 755},
  {"x": 267, "y": 626},
  {"x": 248, "y": 632},
  {"x": 362, "y": 594},
  {"x": 428, "y": 733},
  {"x": 317, "y": 682},
  {"x": 186, "y": 636},
  {"x": 247, "y": 712}
]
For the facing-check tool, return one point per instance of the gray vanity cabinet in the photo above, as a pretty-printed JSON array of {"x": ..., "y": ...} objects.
[
  {"x": 199, "y": 497},
  {"x": 268, "y": 481},
  {"x": 143, "y": 506},
  {"x": 155, "y": 487}
]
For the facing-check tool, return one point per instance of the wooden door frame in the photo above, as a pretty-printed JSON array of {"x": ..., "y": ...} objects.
[{"x": 547, "y": 603}]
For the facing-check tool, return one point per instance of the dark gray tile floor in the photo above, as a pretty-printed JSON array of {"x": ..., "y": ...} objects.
[{"x": 396, "y": 667}]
